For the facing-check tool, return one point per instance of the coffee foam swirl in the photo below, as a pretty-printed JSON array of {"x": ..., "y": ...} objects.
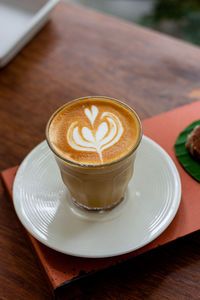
[
  {"x": 95, "y": 139},
  {"x": 93, "y": 131}
]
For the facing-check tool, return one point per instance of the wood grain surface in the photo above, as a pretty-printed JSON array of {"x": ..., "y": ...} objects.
[{"x": 81, "y": 52}]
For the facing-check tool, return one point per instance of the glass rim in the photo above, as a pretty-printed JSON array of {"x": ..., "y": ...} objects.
[{"x": 92, "y": 166}]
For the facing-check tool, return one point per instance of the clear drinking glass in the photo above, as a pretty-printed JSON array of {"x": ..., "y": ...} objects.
[{"x": 102, "y": 186}]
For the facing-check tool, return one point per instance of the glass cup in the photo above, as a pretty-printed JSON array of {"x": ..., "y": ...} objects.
[{"x": 97, "y": 187}]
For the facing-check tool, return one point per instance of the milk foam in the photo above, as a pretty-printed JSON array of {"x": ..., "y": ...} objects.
[
  {"x": 95, "y": 139},
  {"x": 94, "y": 131}
]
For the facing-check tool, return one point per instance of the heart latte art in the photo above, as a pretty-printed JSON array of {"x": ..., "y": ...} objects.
[
  {"x": 94, "y": 139},
  {"x": 93, "y": 131}
]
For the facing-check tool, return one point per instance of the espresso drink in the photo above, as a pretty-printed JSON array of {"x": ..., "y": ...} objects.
[{"x": 94, "y": 141}]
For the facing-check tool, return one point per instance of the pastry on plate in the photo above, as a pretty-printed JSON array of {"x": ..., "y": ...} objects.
[{"x": 193, "y": 142}]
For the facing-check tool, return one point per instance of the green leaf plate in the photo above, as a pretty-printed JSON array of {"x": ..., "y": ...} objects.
[{"x": 191, "y": 165}]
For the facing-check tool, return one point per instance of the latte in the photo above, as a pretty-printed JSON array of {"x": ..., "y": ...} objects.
[
  {"x": 94, "y": 141},
  {"x": 94, "y": 131}
]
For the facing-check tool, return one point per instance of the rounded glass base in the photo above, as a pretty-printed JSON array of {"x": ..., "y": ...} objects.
[{"x": 97, "y": 209}]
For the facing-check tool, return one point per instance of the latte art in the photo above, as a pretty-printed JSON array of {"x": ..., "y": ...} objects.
[
  {"x": 94, "y": 139},
  {"x": 93, "y": 131}
]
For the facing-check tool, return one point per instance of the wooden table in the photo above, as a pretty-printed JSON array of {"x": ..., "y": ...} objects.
[{"x": 78, "y": 53}]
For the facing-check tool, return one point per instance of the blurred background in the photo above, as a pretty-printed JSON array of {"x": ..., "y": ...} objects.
[{"x": 179, "y": 18}]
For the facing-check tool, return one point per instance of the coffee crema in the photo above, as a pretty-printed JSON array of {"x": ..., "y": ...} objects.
[{"x": 94, "y": 131}]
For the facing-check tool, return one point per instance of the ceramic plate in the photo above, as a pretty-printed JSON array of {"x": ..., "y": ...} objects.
[{"x": 43, "y": 205}]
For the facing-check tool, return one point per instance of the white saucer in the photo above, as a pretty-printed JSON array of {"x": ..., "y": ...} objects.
[{"x": 43, "y": 205}]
